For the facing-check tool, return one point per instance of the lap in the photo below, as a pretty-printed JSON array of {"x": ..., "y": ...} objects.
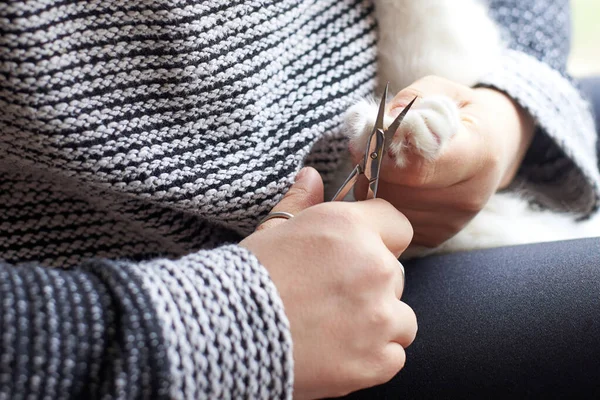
[{"x": 517, "y": 322}]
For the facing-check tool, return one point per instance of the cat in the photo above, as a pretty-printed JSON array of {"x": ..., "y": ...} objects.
[{"x": 456, "y": 40}]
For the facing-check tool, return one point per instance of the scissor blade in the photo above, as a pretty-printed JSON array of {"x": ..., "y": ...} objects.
[
  {"x": 391, "y": 130},
  {"x": 381, "y": 113},
  {"x": 348, "y": 184},
  {"x": 372, "y": 162}
]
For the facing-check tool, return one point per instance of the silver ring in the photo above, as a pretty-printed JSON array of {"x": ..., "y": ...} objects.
[
  {"x": 403, "y": 276},
  {"x": 278, "y": 214}
]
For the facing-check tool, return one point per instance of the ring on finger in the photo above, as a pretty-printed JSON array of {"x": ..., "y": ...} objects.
[
  {"x": 277, "y": 214},
  {"x": 403, "y": 275}
]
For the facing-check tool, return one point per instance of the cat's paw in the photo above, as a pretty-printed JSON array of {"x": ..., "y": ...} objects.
[{"x": 428, "y": 126}]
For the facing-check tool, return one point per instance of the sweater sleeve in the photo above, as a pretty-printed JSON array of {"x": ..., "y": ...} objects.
[
  {"x": 208, "y": 325},
  {"x": 560, "y": 170}
]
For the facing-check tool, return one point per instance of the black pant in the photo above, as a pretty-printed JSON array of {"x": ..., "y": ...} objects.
[{"x": 516, "y": 322}]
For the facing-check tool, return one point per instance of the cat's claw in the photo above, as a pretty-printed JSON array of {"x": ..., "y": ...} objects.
[{"x": 426, "y": 129}]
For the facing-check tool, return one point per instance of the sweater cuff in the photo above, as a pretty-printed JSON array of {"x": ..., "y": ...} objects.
[
  {"x": 560, "y": 170},
  {"x": 224, "y": 324}
]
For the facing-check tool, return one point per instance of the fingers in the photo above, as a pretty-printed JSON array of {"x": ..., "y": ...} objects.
[
  {"x": 424, "y": 215},
  {"x": 431, "y": 230},
  {"x": 403, "y": 334},
  {"x": 457, "y": 198},
  {"x": 405, "y": 329},
  {"x": 432, "y": 85},
  {"x": 460, "y": 159},
  {"x": 394, "y": 228},
  {"x": 397, "y": 359},
  {"x": 307, "y": 191}
]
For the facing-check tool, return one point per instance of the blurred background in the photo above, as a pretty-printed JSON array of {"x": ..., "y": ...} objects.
[{"x": 585, "y": 53}]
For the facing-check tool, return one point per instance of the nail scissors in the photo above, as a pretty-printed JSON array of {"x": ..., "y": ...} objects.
[{"x": 370, "y": 166}]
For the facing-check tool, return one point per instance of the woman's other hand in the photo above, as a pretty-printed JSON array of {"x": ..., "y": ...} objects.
[{"x": 441, "y": 194}]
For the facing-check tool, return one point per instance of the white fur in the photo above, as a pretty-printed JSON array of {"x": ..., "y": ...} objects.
[
  {"x": 458, "y": 41},
  {"x": 450, "y": 38}
]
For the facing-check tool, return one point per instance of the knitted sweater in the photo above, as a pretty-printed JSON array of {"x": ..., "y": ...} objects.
[{"x": 142, "y": 139}]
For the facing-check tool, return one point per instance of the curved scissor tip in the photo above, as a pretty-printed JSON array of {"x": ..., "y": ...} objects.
[{"x": 396, "y": 124}]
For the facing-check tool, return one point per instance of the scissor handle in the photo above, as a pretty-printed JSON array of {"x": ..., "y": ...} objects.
[{"x": 372, "y": 162}]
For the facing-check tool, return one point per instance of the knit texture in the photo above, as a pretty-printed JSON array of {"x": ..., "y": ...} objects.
[
  {"x": 560, "y": 170},
  {"x": 150, "y": 136},
  {"x": 147, "y": 131}
]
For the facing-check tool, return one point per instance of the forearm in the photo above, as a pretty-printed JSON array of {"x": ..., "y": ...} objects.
[
  {"x": 67, "y": 334},
  {"x": 204, "y": 326}
]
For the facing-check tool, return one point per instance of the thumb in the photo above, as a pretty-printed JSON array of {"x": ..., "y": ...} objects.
[
  {"x": 306, "y": 192},
  {"x": 430, "y": 86}
]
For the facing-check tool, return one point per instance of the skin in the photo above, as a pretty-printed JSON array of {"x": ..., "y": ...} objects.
[
  {"x": 439, "y": 197},
  {"x": 335, "y": 267},
  {"x": 334, "y": 264}
]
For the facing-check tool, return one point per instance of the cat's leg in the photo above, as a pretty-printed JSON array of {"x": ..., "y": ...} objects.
[{"x": 426, "y": 129}]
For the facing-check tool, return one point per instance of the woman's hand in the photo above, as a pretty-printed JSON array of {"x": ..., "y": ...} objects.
[
  {"x": 441, "y": 195},
  {"x": 335, "y": 267}
]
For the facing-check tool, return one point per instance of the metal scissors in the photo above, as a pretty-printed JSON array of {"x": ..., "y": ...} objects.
[{"x": 370, "y": 166}]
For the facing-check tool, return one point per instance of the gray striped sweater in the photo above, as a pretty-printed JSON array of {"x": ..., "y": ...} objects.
[{"x": 140, "y": 140}]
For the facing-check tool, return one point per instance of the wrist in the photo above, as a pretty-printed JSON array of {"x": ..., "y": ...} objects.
[{"x": 515, "y": 129}]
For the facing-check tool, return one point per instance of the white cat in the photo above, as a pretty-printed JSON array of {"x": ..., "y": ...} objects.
[{"x": 456, "y": 40}]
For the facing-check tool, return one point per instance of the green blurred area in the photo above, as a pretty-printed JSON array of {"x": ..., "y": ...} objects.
[{"x": 585, "y": 54}]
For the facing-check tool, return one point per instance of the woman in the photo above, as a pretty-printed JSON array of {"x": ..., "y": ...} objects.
[{"x": 153, "y": 136}]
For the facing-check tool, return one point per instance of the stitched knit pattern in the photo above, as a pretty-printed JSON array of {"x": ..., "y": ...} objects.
[
  {"x": 194, "y": 104},
  {"x": 147, "y": 131},
  {"x": 533, "y": 72},
  {"x": 150, "y": 134}
]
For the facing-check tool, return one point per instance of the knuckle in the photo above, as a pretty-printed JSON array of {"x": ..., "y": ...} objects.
[
  {"x": 388, "y": 208},
  {"x": 380, "y": 318},
  {"x": 337, "y": 225},
  {"x": 349, "y": 214},
  {"x": 410, "y": 321},
  {"x": 385, "y": 366},
  {"x": 409, "y": 230},
  {"x": 346, "y": 217},
  {"x": 384, "y": 269},
  {"x": 392, "y": 369}
]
